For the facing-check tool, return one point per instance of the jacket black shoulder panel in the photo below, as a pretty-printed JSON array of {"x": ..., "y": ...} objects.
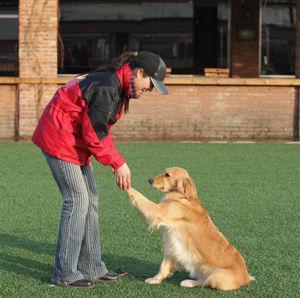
[
  {"x": 102, "y": 91},
  {"x": 96, "y": 80}
]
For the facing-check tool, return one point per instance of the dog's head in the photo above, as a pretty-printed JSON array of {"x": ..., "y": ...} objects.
[{"x": 175, "y": 179}]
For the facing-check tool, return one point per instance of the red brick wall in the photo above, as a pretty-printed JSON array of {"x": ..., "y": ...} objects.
[
  {"x": 244, "y": 53},
  {"x": 188, "y": 113},
  {"x": 38, "y": 23},
  {"x": 32, "y": 101},
  {"x": 212, "y": 112},
  {"x": 7, "y": 111}
]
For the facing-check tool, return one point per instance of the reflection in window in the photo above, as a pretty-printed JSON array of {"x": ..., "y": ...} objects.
[
  {"x": 9, "y": 38},
  {"x": 222, "y": 34},
  {"x": 94, "y": 32},
  {"x": 175, "y": 48},
  {"x": 278, "y": 37},
  {"x": 84, "y": 52}
]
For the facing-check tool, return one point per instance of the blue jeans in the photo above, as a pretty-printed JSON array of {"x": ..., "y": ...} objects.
[{"x": 78, "y": 251}]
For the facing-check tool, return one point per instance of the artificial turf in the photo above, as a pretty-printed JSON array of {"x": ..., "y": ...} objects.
[{"x": 251, "y": 191}]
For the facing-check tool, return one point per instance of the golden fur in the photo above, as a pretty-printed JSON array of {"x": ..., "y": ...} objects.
[{"x": 191, "y": 240}]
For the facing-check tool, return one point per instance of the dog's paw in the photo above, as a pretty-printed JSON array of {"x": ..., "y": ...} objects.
[
  {"x": 131, "y": 190},
  {"x": 132, "y": 193},
  {"x": 134, "y": 196},
  {"x": 152, "y": 281},
  {"x": 189, "y": 283}
]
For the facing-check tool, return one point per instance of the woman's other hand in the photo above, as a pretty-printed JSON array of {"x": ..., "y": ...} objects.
[{"x": 123, "y": 177}]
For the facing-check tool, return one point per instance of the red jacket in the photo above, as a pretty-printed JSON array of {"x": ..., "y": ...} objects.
[{"x": 76, "y": 122}]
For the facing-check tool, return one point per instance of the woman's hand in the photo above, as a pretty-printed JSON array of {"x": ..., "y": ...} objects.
[{"x": 123, "y": 177}]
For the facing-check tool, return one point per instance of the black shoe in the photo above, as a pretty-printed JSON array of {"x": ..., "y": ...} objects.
[
  {"x": 121, "y": 272},
  {"x": 108, "y": 277},
  {"x": 81, "y": 284}
]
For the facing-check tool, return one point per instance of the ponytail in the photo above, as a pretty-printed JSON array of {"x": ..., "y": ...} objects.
[{"x": 126, "y": 57}]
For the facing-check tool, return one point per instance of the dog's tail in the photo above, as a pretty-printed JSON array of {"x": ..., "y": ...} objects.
[{"x": 251, "y": 277}]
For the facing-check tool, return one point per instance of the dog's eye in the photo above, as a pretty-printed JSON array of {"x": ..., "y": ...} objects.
[{"x": 167, "y": 175}]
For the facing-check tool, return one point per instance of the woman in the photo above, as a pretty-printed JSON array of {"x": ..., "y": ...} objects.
[{"x": 74, "y": 126}]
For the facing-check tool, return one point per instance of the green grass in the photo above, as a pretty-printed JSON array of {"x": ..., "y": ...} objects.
[{"x": 251, "y": 191}]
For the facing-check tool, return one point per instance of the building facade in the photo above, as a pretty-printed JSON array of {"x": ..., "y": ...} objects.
[{"x": 233, "y": 64}]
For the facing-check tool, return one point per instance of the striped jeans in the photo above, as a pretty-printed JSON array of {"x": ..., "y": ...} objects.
[{"x": 78, "y": 251}]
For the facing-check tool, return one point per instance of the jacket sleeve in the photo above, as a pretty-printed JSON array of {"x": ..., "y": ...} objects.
[{"x": 101, "y": 106}]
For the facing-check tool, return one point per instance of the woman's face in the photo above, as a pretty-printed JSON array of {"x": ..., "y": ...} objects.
[{"x": 142, "y": 83}]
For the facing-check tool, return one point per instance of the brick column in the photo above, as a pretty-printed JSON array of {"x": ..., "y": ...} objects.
[
  {"x": 244, "y": 53},
  {"x": 297, "y": 49},
  {"x": 38, "y": 22},
  {"x": 297, "y": 71}
]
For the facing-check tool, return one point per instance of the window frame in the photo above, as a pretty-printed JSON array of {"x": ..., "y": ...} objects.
[
  {"x": 261, "y": 7},
  {"x": 16, "y": 72}
]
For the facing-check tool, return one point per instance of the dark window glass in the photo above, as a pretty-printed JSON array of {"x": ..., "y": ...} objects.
[
  {"x": 9, "y": 22},
  {"x": 222, "y": 34},
  {"x": 278, "y": 37},
  {"x": 94, "y": 32}
]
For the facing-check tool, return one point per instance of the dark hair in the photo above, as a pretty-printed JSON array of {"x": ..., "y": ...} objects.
[
  {"x": 119, "y": 61},
  {"x": 126, "y": 57}
]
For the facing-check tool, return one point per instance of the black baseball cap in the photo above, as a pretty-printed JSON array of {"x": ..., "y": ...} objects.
[{"x": 154, "y": 67}]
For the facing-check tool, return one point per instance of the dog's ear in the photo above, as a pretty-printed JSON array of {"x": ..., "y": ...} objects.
[{"x": 187, "y": 187}]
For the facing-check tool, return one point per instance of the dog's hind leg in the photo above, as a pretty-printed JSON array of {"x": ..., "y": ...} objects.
[
  {"x": 166, "y": 269},
  {"x": 191, "y": 283},
  {"x": 224, "y": 280},
  {"x": 198, "y": 277}
]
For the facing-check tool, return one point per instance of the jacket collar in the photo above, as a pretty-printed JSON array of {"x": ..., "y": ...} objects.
[{"x": 123, "y": 74}]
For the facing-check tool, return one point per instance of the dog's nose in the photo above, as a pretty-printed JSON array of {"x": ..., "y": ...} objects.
[{"x": 150, "y": 181}]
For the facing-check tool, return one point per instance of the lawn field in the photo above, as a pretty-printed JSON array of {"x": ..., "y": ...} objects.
[{"x": 251, "y": 191}]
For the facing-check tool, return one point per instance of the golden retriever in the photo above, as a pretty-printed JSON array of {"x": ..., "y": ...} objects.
[{"x": 191, "y": 240}]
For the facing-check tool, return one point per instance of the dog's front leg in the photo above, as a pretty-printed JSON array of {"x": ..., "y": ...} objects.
[
  {"x": 166, "y": 269},
  {"x": 150, "y": 210}
]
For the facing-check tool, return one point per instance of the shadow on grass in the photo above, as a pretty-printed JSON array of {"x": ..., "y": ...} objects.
[
  {"x": 15, "y": 262},
  {"x": 21, "y": 242},
  {"x": 26, "y": 267},
  {"x": 138, "y": 269}
]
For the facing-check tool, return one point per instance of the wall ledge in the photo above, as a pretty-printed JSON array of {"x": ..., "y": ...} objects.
[{"x": 170, "y": 80}]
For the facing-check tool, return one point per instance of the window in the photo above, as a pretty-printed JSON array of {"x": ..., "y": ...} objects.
[
  {"x": 9, "y": 20},
  {"x": 278, "y": 37},
  {"x": 94, "y": 32}
]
